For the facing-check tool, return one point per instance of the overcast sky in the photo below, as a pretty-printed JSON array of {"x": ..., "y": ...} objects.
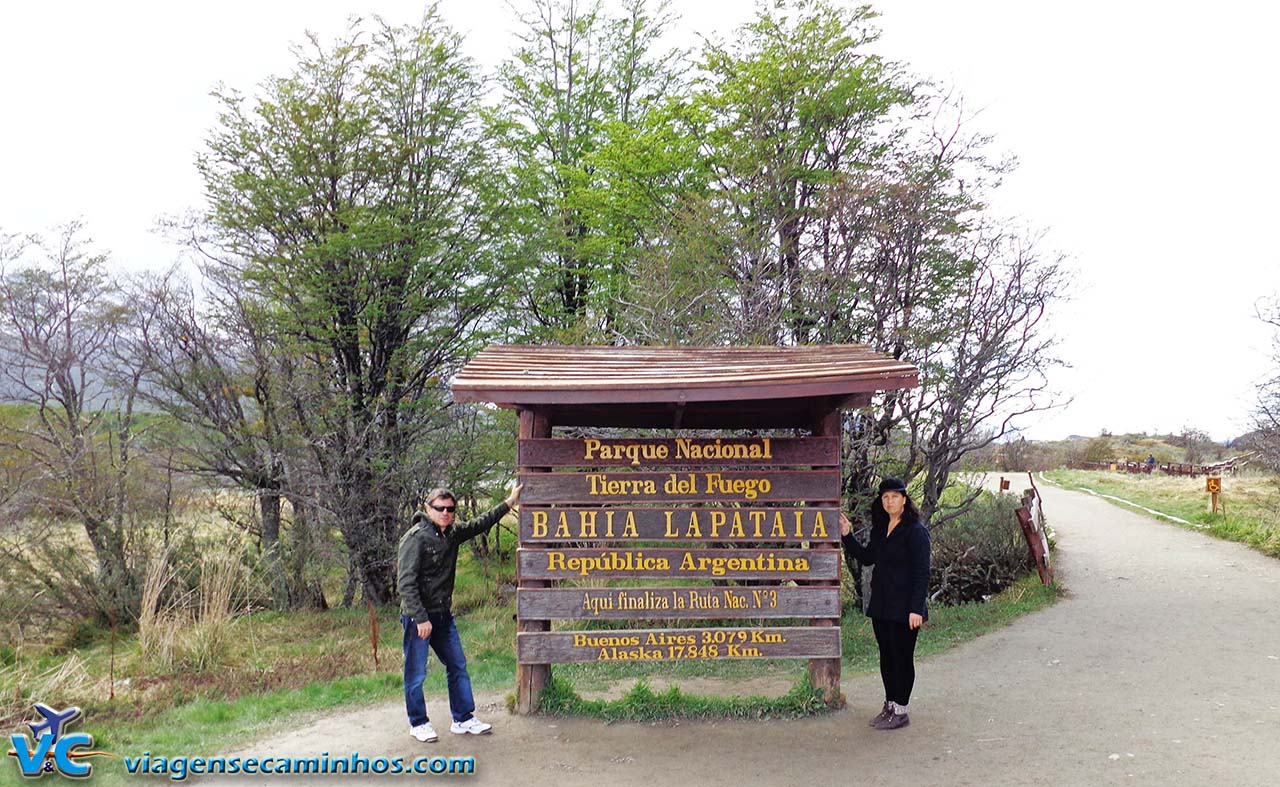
[{"x": 1146, "y": 133}]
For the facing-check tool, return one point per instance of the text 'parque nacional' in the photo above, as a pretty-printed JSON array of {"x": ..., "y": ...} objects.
[{"x": 685, "y": 449}]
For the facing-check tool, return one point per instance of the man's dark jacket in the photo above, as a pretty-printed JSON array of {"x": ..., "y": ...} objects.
[
  {"x": 428, "y": 562},
  {"x": 900, "y": 579}
]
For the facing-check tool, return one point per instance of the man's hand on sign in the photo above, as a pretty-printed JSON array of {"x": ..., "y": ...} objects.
[
  {"x": 846, "y": 527},
  {"x": 514, "y": 498}
]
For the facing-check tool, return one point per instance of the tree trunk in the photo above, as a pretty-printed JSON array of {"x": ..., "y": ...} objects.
[{"x": 269, "y": 506}]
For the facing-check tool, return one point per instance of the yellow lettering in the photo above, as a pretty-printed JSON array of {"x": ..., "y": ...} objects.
[
  {"x": 717, "y": 521},
  {"x": 539, "y": 524},
  {"x": 779, "y": 527},
  {"x": 629, "y": 529},
  {"x": 819, "y": 526},
  {"x": 735, "y": 530}
]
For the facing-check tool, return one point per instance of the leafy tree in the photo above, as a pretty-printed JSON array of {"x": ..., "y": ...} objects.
[
  {"x": 360, "y": 202},
  {"x": 60, "y": 321},
  {"x": 1196, "y": 444},
  {"x": 218, "y": 372},
  {"x": 602, "y": 152},
  {"x": 1266, "y": 439},
  {"x": 794, "y": 102},
  {"x": 1099, "y": 449}
]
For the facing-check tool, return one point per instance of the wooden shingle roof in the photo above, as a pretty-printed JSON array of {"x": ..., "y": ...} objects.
[{"x": 697, "y": 387}]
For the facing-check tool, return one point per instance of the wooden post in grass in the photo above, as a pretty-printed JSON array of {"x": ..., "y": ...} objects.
[
  {"x": 1213, "y": 485},
  {"x": 824, "y": 673},
  {"x": 531, "y": 679}
]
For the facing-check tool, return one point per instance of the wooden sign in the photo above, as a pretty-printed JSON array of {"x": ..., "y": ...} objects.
[
  {"x": 679, "y": 602},
  {"x": 694, "y": 563},
  {"x": 677, "y": 644},
  {"x": 702, "y": 486},
  {"x": 1213, "y": 484},
  {"x": 538, "y": 525},
  {"x": 679, "y": 452}
]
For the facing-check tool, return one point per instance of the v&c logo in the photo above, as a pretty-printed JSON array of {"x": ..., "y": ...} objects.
[{"x": 51, "y": 747}]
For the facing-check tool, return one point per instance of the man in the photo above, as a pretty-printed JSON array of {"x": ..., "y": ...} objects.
[{"x": 428, "y": 560}]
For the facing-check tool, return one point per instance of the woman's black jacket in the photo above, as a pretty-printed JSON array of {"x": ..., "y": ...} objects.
[{"x": 900, "y": 579}]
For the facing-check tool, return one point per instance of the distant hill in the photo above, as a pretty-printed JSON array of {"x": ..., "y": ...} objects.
[{"x": 1192, "y": 447}]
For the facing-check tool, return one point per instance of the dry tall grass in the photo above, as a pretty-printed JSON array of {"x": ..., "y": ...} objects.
[
  {"x": 161, "y": 618},
  {"x": 65, "y": 684},
  {"x": 208, "y": 639},
  {"x": 190, "y": 631}
]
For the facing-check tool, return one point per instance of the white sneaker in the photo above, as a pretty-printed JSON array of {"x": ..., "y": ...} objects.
[
  {"x": 425, "y": 733},
  {"x": 471, "y": 725}
]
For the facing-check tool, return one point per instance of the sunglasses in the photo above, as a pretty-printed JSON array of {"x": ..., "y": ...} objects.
[{"x": 445, "y": 509}]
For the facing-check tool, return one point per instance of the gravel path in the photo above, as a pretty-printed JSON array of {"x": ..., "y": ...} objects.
[{"x": 1162, "y": 666}]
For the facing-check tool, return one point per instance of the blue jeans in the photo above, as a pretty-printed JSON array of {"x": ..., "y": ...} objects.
[{"x": 445, "y": 642}]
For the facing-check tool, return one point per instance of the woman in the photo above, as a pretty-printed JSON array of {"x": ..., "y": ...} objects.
[{"x": 899, "y": 550}]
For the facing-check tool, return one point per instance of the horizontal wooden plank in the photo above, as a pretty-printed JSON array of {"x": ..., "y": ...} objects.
[
  {"x": 700, "y": 486},
  {"x": 679, "y": 452},
  {"x": 563, "y": 647},
  {"x": 708, "y": 603},
  {"x": 736, "y": 414},
  {"x": 724, "y": 525},
  {"x": 694, "y": 563}
]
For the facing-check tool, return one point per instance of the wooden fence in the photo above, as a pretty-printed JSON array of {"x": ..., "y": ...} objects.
[{"x": 1226, "y": 467}]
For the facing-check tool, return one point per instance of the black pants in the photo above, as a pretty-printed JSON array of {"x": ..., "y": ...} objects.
[{"x": 897, "y": 643}]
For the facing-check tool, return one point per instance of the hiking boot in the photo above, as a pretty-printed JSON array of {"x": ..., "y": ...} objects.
[
  {"x": 894, "y": 721},
  {"x": 425, "y": 733},
  {"x": 471, "y": 725},
  {"x": 884, "y": 713}
]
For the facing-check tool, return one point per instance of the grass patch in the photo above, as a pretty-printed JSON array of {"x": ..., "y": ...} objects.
[
  {"x": 1252, "y": 502},
  {"x": 643, "y": 704}
]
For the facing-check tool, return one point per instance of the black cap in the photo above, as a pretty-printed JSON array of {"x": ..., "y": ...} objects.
[{"x": 891, "y": 484}]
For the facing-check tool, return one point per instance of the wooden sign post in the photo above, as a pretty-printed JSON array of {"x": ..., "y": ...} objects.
[
  {"x": 728, "y": 542},
  {"x": 1213, "y": 485},
  {"x": 719, "y": 510}
]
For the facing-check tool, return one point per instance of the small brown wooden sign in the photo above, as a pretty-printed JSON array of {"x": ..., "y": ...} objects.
[
  {"x": 694, "y": 563},
  {"x": 677, "y": 644},
  {"x": 701, "y": 486},
  {"x": 680, "y": 602},
  {"x": 722, "y": 524},
  {"x": 679, "y": 452}
]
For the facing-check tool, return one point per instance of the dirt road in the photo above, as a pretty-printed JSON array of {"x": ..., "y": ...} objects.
[{"x": 1161, "y": 667}]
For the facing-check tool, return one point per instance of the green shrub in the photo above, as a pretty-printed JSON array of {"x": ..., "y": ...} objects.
[{"x": 979, "y": 553}]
